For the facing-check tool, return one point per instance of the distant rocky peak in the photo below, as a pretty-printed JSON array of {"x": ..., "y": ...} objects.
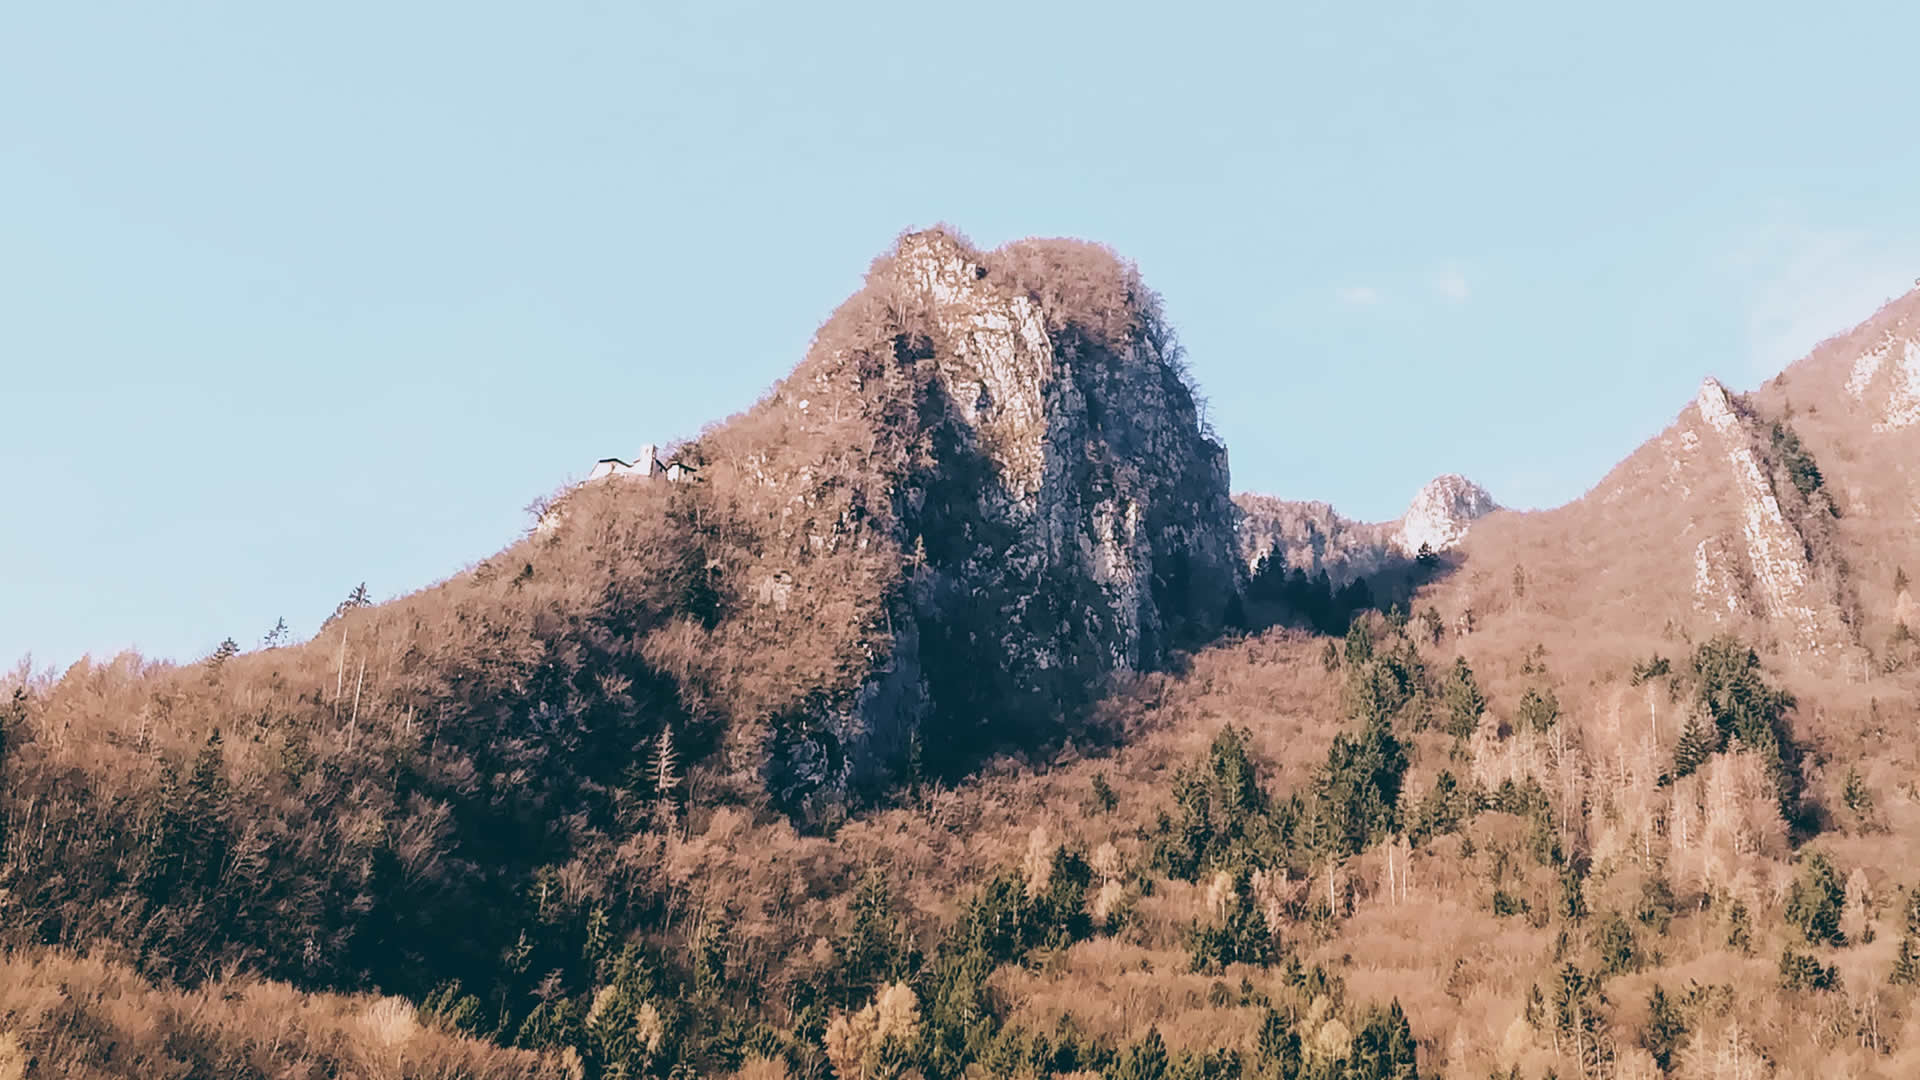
[{"x": 1441, "y": 513}]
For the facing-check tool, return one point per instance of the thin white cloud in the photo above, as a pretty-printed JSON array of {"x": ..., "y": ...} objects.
[
  {"x": 1451, "y": 283},
  {"x": 1358, "y": 296}
]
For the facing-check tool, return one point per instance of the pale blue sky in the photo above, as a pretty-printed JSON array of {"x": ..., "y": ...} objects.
[{"x": 295, "y": 298}]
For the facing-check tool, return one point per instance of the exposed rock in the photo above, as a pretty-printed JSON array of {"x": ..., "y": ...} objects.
[
  {"x": 1776, "y": 554},
  {"x": 1103, "y": 472},
  {"x": 1890, "y": 371},
  {"x": 1717, "y": 589},
  {"x": 1442, "y": 513},
  {"x": 1021, "y": 434}
]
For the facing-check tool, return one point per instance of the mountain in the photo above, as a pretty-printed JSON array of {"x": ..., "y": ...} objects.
[
  {"x": 1315, "y": 538},
  {"x": 982, "y": 496},
  {"x": 1006, "y": 446},
  {"x": 942, "y": 715},
  {"x": 984, "y": 490},
  {"x": 1783, "y": 514}
]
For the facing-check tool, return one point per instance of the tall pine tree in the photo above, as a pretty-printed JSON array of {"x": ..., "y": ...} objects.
[
  {"x": 1463, "y": 699},
  {"x": 1697, "y": 743},
  {"x": 1666, "y": 1031}
]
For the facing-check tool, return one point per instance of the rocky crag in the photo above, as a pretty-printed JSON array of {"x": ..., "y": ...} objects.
[
  {"x": 986, "y": 489},
  {"x": 1765, "y": 567}
]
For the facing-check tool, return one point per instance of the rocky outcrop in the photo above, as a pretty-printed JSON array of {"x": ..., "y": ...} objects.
[
  {"x": 1021, "y": 433},
  {"x": 1101, "y": 471},
  {"x": 1441, "y": 514},
  {"x": 1889, "y": 374},
  {"x": 1769, "y": 563},
  {"x": 1313, "y": 537}
]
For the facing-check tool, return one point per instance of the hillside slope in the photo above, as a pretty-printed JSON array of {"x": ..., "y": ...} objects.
[
  {"x": 914, "y": 736},
  {"x": 1008, "y": 440},
  {"x": 1784, "y": 514},
  {"x": 984, "y": 492}
]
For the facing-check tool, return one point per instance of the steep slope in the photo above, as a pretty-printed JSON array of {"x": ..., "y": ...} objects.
[
  {"x": 553, "y": 800},
  {"x": 1441, "y": 514},
  {"x": 1315, "y": 538},
  {"x": 983, "y": 493},
  {"x": 1784, "y": 514},
  {"x": 1853, "y": 403},
  {"x": 1008, "y": 437}
]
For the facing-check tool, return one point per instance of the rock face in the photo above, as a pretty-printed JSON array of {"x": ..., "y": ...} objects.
[
  {"x": 1101, "y": 472},
  {"x": 1441, "y": 514},
  {"x": 1771, "y": 553},
  {"x": 1313, "y": 537},
  {"x": 1890, "y": 373},
  {"x": 1021, "y": 434},
  {"x": 1715, "y": 497}
]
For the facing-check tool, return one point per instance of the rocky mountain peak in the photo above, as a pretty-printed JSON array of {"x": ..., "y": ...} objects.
[
  {"x": 1014, "y": 431},
  {"x": 1441, "y": 513}
]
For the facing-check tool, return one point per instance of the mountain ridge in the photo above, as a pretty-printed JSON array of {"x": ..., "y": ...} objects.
[
  {"x": 1313, "y": 537},
  {"x": 930, "y": 722}
]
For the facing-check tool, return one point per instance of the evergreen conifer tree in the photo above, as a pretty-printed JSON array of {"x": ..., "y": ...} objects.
[
  {"x": 1278, "y": 1047},
  {"x": 1814, "y": 902},
  {"x": 1697, "y": 744},
  {"x": 1906, "y": 963},
  {"x": 1739, "y": 927},
  {"x": 1463, "y": 699},
  {"x": 1144, "y": 1060},
  {"x": 358, "y": 598},
  {"x": 227, "y": 650},
  {"x": 1539, "y": 710},
  {"x": 167, "y": 837},
  {"x": 1666, "y": 1031},
  {"x": 209, "y": 807}
]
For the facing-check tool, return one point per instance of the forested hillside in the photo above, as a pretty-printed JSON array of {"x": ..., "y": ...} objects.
[{"x": 934, "y": 726}]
